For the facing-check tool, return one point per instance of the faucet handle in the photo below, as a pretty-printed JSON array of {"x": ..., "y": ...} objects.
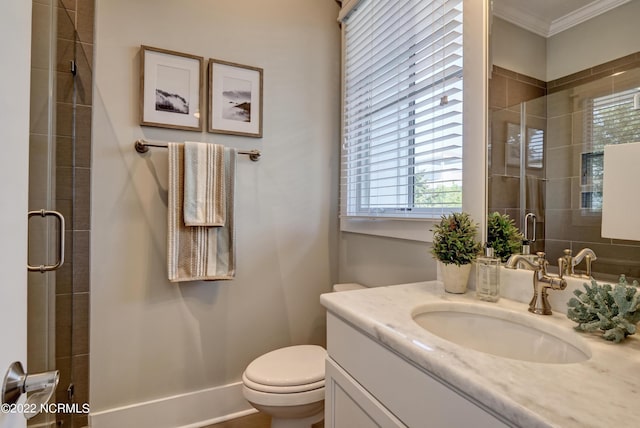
[
  {"x": 542, "y": 262},
  {"x": 567, "y": 267}
]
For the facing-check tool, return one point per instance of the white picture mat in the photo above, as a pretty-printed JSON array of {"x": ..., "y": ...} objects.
[
  {"x": 152, "y": 61},
  {"x": 219, "y": 73}
]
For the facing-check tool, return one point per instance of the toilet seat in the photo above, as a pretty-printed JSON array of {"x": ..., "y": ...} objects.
[
  {"x": 281, "y": 389},
  {"x": 287, "y": 370}
]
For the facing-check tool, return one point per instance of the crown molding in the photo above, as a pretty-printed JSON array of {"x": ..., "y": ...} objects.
[
  {"x": 583, "y": 14},
  {"x": 521, "y": 19},
  {"x": 547, "y": 29}
]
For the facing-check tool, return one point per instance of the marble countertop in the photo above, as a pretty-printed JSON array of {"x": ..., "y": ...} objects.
[{"x": 599, "y": 392}]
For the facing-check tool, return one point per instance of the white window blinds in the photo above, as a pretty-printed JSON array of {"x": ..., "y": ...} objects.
[{"x": 402, "y": 136}]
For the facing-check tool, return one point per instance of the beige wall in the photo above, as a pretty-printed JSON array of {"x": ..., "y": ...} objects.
[
  {"x": 607, "y": 37},
  {"x": 518, "y": 50},
  {"x": 604, "y": 38},
  {"x": 150, "y": 338},
  {"x": 375, "y": 260},
  {"x": 15, "y": 30}
]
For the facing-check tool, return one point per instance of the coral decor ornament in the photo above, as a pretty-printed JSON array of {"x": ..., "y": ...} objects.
[{"x": 614, "y": 310}]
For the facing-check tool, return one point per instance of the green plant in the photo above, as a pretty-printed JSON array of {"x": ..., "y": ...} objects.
[
  {"x": 614, "y": 310},
  {"x": 454, "y": 239},
  {"x": 503, "y": 235}
]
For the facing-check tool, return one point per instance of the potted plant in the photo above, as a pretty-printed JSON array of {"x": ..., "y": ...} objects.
[
  {"x": 503, "y": 236},
  {"x": 455, "y": 247}
]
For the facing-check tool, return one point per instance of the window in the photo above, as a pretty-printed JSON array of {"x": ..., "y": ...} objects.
[
  {"x": 612, "y": 119},
  {"x": 402, "y": 126}
]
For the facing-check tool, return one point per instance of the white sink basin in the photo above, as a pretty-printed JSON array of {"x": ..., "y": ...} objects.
[{"x": 502, "y": 332}]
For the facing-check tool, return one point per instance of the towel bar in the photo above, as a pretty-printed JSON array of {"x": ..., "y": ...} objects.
[{"x": 142, "y": 146}]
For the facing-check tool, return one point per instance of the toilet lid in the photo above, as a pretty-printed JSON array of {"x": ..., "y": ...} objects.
[{"x": 290, "y": 366}]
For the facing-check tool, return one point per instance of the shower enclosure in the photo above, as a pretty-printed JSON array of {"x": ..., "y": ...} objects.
[
  {"x": 59, "y": 157},
  {"x": 546, "y": 162}
]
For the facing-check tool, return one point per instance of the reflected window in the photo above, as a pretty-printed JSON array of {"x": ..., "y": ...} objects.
[{"x": 610, "y": 119}]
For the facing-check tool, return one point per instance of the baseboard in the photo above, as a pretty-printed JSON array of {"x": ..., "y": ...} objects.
[{"x": 191, "y": 410}]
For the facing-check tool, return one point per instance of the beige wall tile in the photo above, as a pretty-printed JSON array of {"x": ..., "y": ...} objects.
[
  {"x": 81, "y": 255},
  {"x": 64, "y": 183},
  {"x": 518, "y": 92},
  {"x": 503, "y": 193},
  {"x": 559, "y": 193},
  {"x": 67, "y": 4},
  {"x": 65, "y": 53},
  {"x": 558, "y": 132},
  {"x": 63, "y": 325},
  {"x": 66, "y": 24},
  {"x": 64, "y": 151},
  {"x": 85, "y": 20},
  {"x": 80, "y": 329},
  {"x": 81, "y": 205},
  {"x": 39, "y": 105},
  {"x": 84, "y": 78},
  {"x": 64, "y": 119},
  {"x": 41, "y": 19},
  {"x": 498, "y": 91}
]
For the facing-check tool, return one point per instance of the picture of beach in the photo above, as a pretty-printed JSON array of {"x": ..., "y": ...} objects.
[
  {"x": 172, "y": 90},
  {"x": 235, "y": 99},
  {"x": 236, "y": 96}
]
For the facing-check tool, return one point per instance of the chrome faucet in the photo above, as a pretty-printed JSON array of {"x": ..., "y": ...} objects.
[
  {"x": 572, "y": 261},
  {"x": 542, "y": 281},
  {"x": 588, "y": 255}
]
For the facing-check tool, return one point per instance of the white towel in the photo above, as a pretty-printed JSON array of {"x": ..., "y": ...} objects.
[
  {"x": 204, "y": 185},
  {"x": 199, "y": 252}
]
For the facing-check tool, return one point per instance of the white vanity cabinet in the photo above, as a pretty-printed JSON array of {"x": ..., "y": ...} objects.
[{"x": 368, "y": 385}]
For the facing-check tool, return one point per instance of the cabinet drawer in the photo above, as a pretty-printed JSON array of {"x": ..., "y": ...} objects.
[
  {"x": 348, "y": 404},
  {"x": 410, "y": 393}
]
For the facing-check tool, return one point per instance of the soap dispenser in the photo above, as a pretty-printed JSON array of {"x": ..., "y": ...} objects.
[{"x": 488, "y": 276}]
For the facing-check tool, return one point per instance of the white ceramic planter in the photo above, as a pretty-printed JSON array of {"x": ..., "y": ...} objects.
[{"x": 455, "y": 277}]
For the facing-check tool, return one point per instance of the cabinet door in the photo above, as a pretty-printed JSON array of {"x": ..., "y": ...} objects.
[{"x": 349, "y": 405}]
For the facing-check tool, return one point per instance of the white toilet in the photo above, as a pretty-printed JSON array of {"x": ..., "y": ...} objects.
[{"x": 288, "y": 383}]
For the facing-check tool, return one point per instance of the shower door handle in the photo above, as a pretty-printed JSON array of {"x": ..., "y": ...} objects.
[
  {"x": 526, "y": 227},
  {"x": 60, "y": 262}
]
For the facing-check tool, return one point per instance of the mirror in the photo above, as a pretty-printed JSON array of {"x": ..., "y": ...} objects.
[{"x": 562, "y": 87}]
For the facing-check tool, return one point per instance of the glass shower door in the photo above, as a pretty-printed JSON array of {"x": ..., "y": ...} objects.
[
  {"x": 46, "y": 238},
  {"x": 517, "y": 167}
]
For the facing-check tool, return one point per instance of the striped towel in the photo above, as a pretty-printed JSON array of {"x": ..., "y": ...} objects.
[
  {"x": 204, "y": 186},
  {"x": 199, "y": 252}
]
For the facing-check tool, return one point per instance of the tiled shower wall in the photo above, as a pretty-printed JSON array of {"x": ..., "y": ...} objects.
[
  {"x": 562, "y": 223},
  {"x": 569, "y": 225},
  {"x": 74, "y": 44}
]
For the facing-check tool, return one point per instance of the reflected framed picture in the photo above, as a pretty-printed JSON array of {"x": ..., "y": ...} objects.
[
  {"x": 171, "y": 89},
  {"x": 512, "y": 145},
  {"x": 235, "y": 99}
]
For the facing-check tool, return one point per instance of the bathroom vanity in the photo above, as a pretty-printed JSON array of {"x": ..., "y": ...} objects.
[{"x": 385, "y": 369}]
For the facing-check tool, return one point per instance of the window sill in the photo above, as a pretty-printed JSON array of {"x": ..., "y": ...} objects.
[{"x": 410, "y": 229}]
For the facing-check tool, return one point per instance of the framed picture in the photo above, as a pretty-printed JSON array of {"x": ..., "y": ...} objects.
[
  {"x": 235, "y": 99},
  {"x": 512, "y": 146},
  {"x": 171, "y": 89}
]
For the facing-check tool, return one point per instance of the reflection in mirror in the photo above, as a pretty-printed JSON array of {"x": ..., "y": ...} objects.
[{"x": 558, "y": 95}]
